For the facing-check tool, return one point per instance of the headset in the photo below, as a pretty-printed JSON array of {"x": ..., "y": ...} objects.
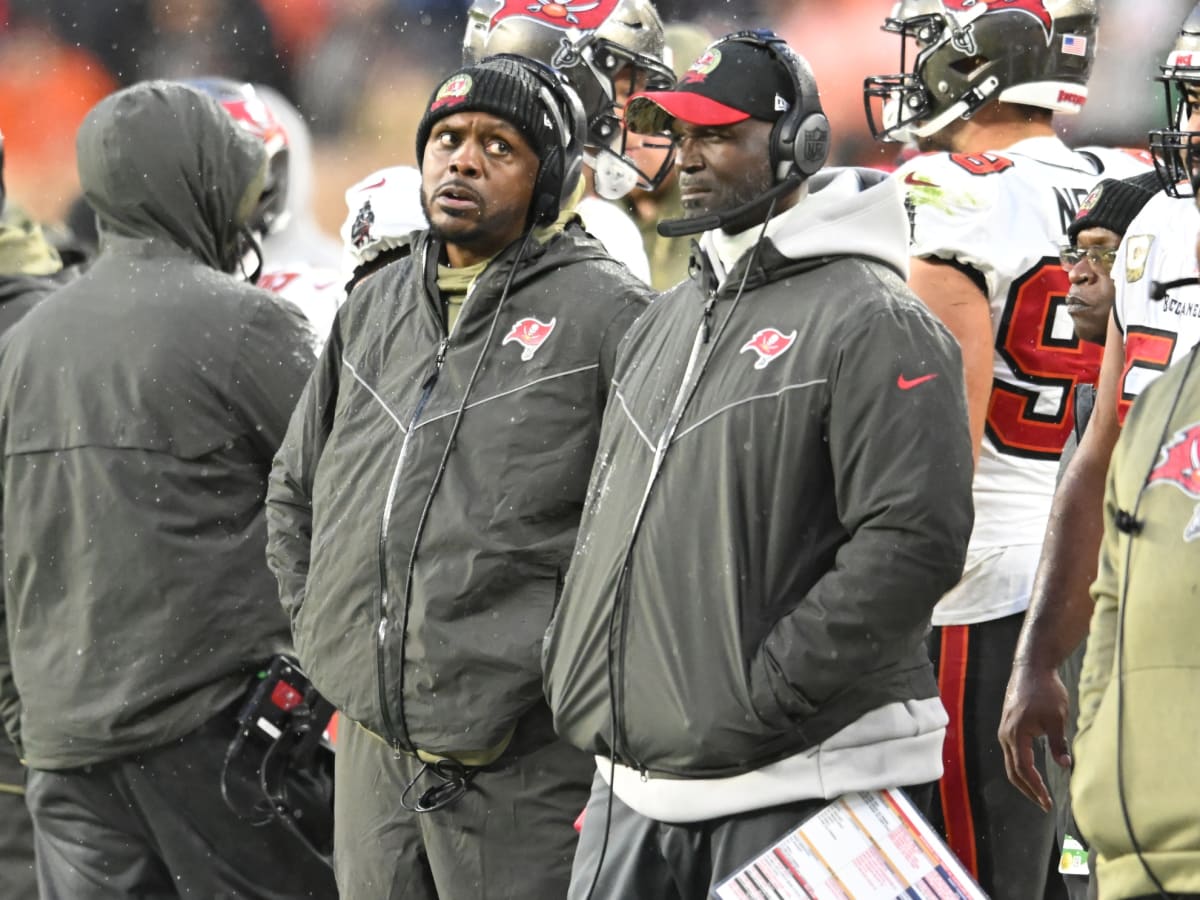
[
  {"x": 800, "y": 139},
  {"x": 562, "y": 167},
  {"x": 799, "y": 145}
]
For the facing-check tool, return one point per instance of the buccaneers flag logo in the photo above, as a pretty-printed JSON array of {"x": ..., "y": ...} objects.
[
  {"x": 586, "y": 15},
  {"x": 768, "y": 343},
  {"x": 1179, "y": 465},
  {"x": 530, "y": 333},
  {"x": 1035, "y": 8}
]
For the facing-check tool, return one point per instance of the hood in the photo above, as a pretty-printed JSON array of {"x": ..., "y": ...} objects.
[
  {"x": 846, "y": 212},
  {"x": 300, "y": 239},
  {"x": 160, "y": 160}
]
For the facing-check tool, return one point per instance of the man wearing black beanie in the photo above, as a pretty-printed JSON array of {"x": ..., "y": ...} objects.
[
  {"x": 1087, "y": 256},
  {"x": 1091, "y": 249},
  {"x": 424, "y": 505}
]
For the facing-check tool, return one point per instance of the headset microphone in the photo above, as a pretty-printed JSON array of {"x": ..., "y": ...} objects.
[
  {"x": 713, "y": 221},
  {"x": 1158, "y": 289}
]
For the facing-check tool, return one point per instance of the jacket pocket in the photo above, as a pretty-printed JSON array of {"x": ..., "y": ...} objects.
[{"x": 776, "y": 702}]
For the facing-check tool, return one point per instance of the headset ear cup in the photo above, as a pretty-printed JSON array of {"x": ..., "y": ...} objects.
[
  {"x": 810, "y": 147},
  {"x": 800, "y": 139},
  {"x": 799, "y": 144}
]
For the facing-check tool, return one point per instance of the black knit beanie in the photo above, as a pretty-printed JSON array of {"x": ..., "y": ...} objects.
[
  {"x": 1114, "y": 203},
  {"x": 500, "y": 86}
]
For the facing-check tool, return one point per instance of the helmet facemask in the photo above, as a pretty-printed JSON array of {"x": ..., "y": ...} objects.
[
  {"x": 1176, "y": 150},
  {"x": 902, "y": 101},
  {"x": 603, "y": 49},
  {"x": 619, "y": 73}
]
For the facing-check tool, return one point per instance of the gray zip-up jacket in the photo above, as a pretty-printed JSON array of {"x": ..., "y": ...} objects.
[
  {"x": 781, "y": 494},
  {"x": 140, "y": 408},
  {"x": 423, "y": 507}
]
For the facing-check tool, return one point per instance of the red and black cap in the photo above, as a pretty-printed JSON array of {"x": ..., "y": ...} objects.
[{"x": 733, "y": 80}]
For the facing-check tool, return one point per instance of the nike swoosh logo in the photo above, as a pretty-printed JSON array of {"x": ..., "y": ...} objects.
[
  {"x": 916, "y": 181},
  {"x": 370, "y": 187},
  {"x": 907, "y": 384}
]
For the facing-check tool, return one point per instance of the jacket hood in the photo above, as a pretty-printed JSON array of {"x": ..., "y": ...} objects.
[
  {"x": 846, "y": 212},
  {"x": 161, "y": 160}
]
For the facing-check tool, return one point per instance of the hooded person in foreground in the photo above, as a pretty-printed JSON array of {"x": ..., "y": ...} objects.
[
  {"x": 781, "y": 494},
  {"x": 140, "y": 407}
]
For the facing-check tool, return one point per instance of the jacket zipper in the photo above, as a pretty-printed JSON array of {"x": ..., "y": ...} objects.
[
  {"x": 382, "y": 612},
  {"x": 691, "y": 375}
]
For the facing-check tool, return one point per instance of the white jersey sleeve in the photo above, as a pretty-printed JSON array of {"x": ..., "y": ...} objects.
[
  {"x": 613, "y": 227},
  {"x": 1159, "y": 248},
  {"x": 1003, "y": 215},
  {"x": 317, "y": 293}
]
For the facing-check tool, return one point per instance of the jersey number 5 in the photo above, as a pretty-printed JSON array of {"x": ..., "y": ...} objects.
[
  {"x": 1034, "y": 418},
  {"x": 1148, "y": 352}
]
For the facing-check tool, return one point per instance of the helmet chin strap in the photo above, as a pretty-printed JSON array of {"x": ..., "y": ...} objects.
[
  {"x": 963, "y": 108},
  {"x": 248, "y": 244}
]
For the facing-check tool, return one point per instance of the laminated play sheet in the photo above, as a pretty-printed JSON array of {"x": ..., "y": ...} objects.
[{"x": 871, "y": 845}]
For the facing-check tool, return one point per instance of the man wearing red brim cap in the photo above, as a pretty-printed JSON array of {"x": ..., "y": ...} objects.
[{"x": 782, "y": 493}]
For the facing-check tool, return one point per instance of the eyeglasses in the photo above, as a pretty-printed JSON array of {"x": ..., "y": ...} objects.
[{"x": 1100, "y": 258}]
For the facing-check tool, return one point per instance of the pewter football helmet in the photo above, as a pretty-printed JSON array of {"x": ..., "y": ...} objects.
[
  {"x": 966, "y": 53},
  {"x": 599, "y": 46},
  {"x": 1176, "y": 149}
]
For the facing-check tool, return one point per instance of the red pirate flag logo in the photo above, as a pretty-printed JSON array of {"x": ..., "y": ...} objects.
[
  {"x": 530, "y": 333},
  {"x": 702, "y": 67},
  {"x": 257, "y": 118},
  {"x": 768, "y": 343},
  {"x": 586, "y": 15},
  {"x": 454, "y": 90},
  {"x": 1035, "y": 8},
  {"x": 1179, "y": 466}
]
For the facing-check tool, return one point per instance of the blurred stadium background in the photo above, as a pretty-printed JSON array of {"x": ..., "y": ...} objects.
[{"x": 361, "y": 70}]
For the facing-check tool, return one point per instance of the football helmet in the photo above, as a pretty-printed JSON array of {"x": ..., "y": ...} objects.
[
  {"x": 1176, "y": 148},
  {"x": 606, "y": 49},
  {"x": 250, "y": 111},
  {"x": 965, "y": 53}
]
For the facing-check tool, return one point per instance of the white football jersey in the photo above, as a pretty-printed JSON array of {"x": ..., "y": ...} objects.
[
  {"x": 318, "y": 293},
  {"x": 1004, "y": 214},
  {"x": 1159, "y": 247}
]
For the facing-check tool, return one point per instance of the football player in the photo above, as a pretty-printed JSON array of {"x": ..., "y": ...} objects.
[
  {"x": 1155, "y": 322},
  {"x": 990, "y": 202}
]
